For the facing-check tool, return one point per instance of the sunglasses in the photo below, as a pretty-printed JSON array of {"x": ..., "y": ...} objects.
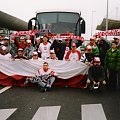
[{"x": 96, "y": 62}]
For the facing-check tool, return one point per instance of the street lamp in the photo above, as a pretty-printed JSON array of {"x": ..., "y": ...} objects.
[
  {"x": 92, "y": 23},
  {"x": 107, "y": 18}
]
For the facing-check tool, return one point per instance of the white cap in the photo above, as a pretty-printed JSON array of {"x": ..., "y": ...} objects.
[
  {"x": 28, "y": 41},
  {"x": 52, "y": 51},
  {"x": 35, "y": 53},
  {"x": 4, "y": 48},
  {"x": 6, "y": 38},
  {"x": 20, "y": 49},
  {"x": 58, "y": 39},
  {"x": 96, "y": 59},
  {"x": 41, "y": 37},
  {"x": 38, "y": 38},
  {"x": 116, "y": 38},
  {"x": 22, "y": 37},
  {"x": 92, "y": 38},
  {"x": 73, "y": 44},
  {"x": 88, "y": 47}
]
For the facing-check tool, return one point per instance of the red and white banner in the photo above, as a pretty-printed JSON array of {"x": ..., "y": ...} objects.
[
  {"x": 53, "y": 36},
  {"x": 65, "y": 69},
  {"x": 114, "y": 32}
]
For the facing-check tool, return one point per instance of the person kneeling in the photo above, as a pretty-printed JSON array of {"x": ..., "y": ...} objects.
[{"x": 96, "y": 75}]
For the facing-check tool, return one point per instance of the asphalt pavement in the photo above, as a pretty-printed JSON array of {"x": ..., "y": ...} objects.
[{"x": 26, "y": 101}]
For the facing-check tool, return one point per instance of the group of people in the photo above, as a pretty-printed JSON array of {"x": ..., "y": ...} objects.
[{"x": 103, "y": 58}]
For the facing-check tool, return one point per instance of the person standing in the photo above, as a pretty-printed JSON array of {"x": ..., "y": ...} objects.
[
  {"x": 88, "y": 56},
  {"x": 112, "y": 65},
  {"x": 44, "y": 48},
  {"x": 95, "y": 49},
  {"x": 103, "y": 46},
  {"x": 73, "y": 54},
  {"x": 116, "y": 39},
  {"x": 28, "y": 51}
]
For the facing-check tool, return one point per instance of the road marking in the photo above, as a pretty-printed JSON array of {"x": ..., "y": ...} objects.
[
  {"x": 5, "y": 113},
  {"x": 93, "y": 112},
  {"x": 47, "y": 113},
  {"x": 4, "y": 89}
]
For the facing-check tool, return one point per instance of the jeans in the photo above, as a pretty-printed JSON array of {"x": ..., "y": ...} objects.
[{"x": 48, "y": 83}]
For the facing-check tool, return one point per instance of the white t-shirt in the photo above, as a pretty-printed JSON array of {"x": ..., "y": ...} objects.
[
  {"x": 73, "y": 56},
  {"x": 44, "y": 50},
  {"x": 7, "y": 56}
]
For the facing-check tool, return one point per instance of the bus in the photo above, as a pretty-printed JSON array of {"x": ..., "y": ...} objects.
[{"x": 58, "y": 22}]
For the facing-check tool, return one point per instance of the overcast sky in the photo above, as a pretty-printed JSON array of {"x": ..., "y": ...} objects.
[{"x": 25, "y": 9}]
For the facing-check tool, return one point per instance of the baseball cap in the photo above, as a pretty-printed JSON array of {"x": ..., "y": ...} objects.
[
  {"x": 59, "y": 39},
  {"x": 88, "y": 47},
  {"x": 22, "y": 37},
  {"x": 20, "y": 49},
  {"x": 28, "y": 41},
  {"x": 73, "y": 45},
  {"x": 35, "y": 53},
  {"x": 96, "y": 59},
  {"x": 115, "y": 38},
  {"x": 52, "y": 51},
  {"x": 92, "y": 38},
  {"x": 6, "y": 38},
  {"x": 38, "y": 38}
]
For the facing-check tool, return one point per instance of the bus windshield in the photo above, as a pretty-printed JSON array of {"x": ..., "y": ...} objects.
[{"x": 58, "y": 22}]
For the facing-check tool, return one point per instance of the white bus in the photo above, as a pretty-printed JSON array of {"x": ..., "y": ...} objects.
[{"x": 58, "y": 22}]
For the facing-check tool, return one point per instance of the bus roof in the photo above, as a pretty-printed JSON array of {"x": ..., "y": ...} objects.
[{"x": 58, "y": 10}]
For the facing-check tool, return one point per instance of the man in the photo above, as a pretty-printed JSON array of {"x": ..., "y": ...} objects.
[
  {"x": 44, "y": 77},
  {"x": 117, "y": 40},
  {"x": 11, "y": 47},
  {"x": 103, "y": 46},
  {"x": 53, "y": 55},
  {"x": 28, "y": 51},
  {"x": 4, "y": 52},
  {"x": 35, "y": 56},
  {"x": 44, "y": 48},
  {"x": 22, "y": 44},
  {"x": 87, "y": 57},
  {"x": 95, "y": 49},
  {"x": 59, "y": 48},
  {"x": 73, "y": 54},
  {"x": 20, "y": 55},
  {"x": 112, "y": 64},
  {"x": 96, "y": 75}
]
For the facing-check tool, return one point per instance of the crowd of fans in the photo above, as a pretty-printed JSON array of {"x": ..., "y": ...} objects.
[{"x": 58, "y": 49}]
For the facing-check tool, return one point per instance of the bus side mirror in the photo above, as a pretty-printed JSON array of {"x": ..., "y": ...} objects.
[
  {"x": 30, "y": 25},
  {"x": 83, "y": 26}
]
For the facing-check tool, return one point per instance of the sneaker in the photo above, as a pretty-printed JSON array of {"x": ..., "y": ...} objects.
[
  {"x": 96, "y": 86},
  {"x": 104, "y": 82},
  {"x": 88, "y": 81},
  {"x": 48, "y": 88},
  {"x": 26, "y": 82},
  {"x": 43, "y": 89}
]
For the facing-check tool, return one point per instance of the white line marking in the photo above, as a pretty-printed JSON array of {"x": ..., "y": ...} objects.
[
  {"x": 5, "y": 113},
  {"x": 93, "y": 112},
  {"x": 47, "y": 113},
  {"x": 4, "y": 89}
]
